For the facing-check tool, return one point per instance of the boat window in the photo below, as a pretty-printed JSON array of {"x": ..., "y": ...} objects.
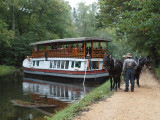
[
  {"x": 72, "y": 65},
  {"x": 58, "y": 64},
  {"x": 37, "y": 63},
  {"x": 78, "y": 64},
  {"x": 54, "y": 46},
  {"x": 60, "y": 46},
  {"x": 51, "y": 64},
  {"x": 103, "y": 45},
  {"x": 96, "y": 45},
  {"x": 35, "y": 48},
  {"x": 54, "y": 64},
  {"x": 66, "y": 65},
  {"x": 80, "y": 45},
  {"x": 33, "y": 63},
  {"x": 88, "y": 48},
  {"x": 39, "y": 47},
  {"x": 95, "y": 65},
  {"x": 43, "y": 47},
  {"x": 49, "y": 47},
  {"x": 62, "y": 64}
]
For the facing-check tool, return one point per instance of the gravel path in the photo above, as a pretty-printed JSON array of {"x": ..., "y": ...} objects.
[{"x": 142, "y": 104}]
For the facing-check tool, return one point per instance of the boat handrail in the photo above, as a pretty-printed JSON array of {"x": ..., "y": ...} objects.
[{"x": 68, "y": 53}]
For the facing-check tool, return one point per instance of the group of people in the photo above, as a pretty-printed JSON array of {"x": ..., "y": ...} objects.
[{"x": 129, "y": 66}]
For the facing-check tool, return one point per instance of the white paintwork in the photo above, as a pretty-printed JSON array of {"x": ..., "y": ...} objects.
[{"x": 43, "y": 64}]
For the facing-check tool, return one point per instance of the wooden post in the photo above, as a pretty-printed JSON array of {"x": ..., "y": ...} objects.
[
  {"x": 51, "y": 49},
  {"x": 107, "y": 48},
  {"x": 32, "y": 52},
  {"x": 76, "y": 49},
  {"x": 57, "y": 50},
  {"x": 41, "y": 53},
  {"x": 98, "y": 63},
  {"x": 63, "y": 51},
  {"x": 84, "y": 49},
  {"x": 92, "y": 49},
  {"x": 37, "y": 52}
]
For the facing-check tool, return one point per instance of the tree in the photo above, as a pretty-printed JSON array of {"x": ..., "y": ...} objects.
[
  {"x": 31, "y": 21},
  {"x": 110, "y": 11},
  {"x": 137, "y": 22},
  {"x": 85, "y": 17},
  {"x": 6, "y": 37}
]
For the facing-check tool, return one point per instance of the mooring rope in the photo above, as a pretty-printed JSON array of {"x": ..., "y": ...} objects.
[{"x": 85, "y": 67}]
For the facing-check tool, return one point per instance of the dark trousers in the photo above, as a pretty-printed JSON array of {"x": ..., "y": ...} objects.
[{"x": 129, "y": 75}]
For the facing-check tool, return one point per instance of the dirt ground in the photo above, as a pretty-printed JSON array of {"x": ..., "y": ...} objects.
[{"x": 142, "y": 104}]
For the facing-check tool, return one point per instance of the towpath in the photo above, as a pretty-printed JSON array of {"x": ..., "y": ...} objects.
[{"x": 142, "y": 104}]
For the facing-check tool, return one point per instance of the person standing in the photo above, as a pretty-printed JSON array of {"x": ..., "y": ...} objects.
[
  {"x": 89, "y": 65},
  {"x": 124, "y": 58},
  {"x": 128, "y": 69}
]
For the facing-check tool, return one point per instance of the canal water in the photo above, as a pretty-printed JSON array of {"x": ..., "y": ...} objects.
[{"x": 33, "y": 99}]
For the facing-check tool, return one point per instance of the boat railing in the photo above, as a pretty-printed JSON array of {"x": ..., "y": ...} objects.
[
  {"x": 98, "y": 53},
  {"x": 68, "y": 53}
]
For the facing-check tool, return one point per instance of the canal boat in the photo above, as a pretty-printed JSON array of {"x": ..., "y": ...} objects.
[{"x": 71, "y": 59}]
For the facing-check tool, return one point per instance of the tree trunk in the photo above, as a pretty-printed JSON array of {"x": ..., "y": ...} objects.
[{"x": 13, "y": 19}]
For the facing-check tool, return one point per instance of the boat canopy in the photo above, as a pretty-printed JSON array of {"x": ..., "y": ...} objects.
[
  {"x": 66, "y": 40},
  {"x": 71, "y": 48}
]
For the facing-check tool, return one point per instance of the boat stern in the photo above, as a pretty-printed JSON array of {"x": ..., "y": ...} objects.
[{"x": 27, "y": 62}]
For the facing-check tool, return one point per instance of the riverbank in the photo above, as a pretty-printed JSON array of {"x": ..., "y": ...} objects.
[
  {"x": 101, "y": 92},
  {"x": 6, "y": 70}
]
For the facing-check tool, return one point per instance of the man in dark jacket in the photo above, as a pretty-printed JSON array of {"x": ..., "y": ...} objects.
[{"x": 128, "y": 68}]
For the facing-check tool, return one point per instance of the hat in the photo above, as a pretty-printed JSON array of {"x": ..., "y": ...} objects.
[
  {"x": 124, "y": 56},
  {"x": 128, "y": 55}
]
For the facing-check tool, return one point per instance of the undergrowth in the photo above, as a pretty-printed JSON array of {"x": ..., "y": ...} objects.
[
  {"x": 157, "y": 71},
  {"x": 6, "y": 70}
]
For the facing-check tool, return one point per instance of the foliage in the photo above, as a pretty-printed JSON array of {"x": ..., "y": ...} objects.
[
  {"x": 85, "y": 19},
  {"x": 117, "y": 48},
  {"x": 23, "y": 22},
  {"x": 6, "y": 37},
  {"x": 157, "y": 72},
  {"x": 141, "y": 24},
  {"x": 75, "y": 109},
  {"x": 6, "y": 70},
  {"x": 137, "y": 23},
  {"x": 110, "y": 11}
]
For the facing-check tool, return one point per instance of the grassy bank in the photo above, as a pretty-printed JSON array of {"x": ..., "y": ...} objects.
[
  {"x": 157, "y": 71},
  {"x": 6, "y": 70},
  {"x": 75, "y": 109}
]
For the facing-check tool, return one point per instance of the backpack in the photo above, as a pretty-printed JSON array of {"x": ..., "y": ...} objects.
[{"x": 129, "y": 63}]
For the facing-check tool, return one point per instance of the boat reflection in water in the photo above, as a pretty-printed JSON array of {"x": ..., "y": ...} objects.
[{"x": 52, "y": 93}]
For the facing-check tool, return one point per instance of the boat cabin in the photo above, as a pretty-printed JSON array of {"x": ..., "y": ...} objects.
[
  {"x": 70, "y": 59},
  {"x": 71, "y": 48}
]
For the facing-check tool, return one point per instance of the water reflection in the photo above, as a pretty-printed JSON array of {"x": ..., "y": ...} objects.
[
  {"x": 36, "y": 91},
  {"x": 67, "y": 93}
]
